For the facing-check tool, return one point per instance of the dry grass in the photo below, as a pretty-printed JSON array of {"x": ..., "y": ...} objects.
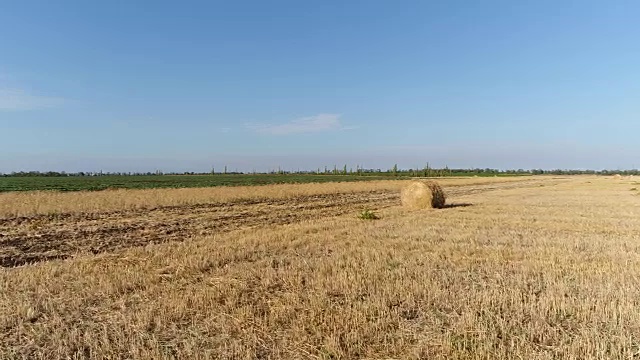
[
  {"x": 48, "y": 202},
  {"x": 538, "y": 272},
  {"x": 422, "y": 194}
]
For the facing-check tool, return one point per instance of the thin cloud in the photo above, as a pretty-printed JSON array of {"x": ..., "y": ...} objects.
[
  {"x": 310, "y": 124},
  {"x": 17, "y": 100}
]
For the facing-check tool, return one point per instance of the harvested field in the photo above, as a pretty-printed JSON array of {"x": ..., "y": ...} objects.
[
  {"x": 539, "y": 268},
  {"x": 21, "y": 204},
  {"x": 25, "y": 240}
]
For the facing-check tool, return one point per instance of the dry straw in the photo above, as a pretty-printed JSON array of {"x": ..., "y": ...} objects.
[
  {"x": 423, "y": 194},
  {"x": 617, "y": 177}
]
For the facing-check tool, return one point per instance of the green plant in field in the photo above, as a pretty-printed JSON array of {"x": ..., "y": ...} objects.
[{"x": 368, "y": 215}]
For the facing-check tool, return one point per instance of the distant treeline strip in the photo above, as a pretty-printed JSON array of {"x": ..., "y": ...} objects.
[{"x": 395, "y": 171}]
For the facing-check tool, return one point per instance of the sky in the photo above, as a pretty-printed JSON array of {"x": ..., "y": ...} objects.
[{"x": 254, "y": 85}]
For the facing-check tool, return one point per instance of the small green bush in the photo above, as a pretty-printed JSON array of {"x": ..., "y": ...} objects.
[{"x": 368, "y": 215}]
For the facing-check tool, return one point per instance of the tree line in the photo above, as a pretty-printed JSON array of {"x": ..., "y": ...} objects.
[{"x": 426, "y": 171}]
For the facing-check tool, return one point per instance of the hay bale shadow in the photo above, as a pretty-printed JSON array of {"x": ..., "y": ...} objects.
[{"x": 455, "y": 205}]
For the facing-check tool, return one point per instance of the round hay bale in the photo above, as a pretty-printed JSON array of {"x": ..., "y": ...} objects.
[
  {"x": 617, "y": 177},
  {"x": 423, "y": 194}
]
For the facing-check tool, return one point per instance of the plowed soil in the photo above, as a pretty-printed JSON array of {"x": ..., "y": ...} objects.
[{"x": 27, "y": 240}]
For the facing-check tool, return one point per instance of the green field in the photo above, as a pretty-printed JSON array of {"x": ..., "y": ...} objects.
[{"x": 94, "y": 183}]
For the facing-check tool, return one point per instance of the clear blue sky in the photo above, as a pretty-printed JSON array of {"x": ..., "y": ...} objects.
[{"x": 179, "y": 86}]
